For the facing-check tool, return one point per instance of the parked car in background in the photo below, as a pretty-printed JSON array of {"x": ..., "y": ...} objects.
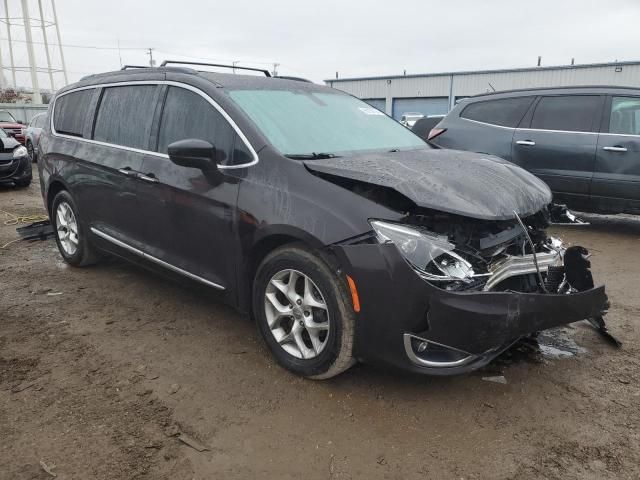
[
  {"x": 346, "y": 236},
  {"x": 584, "y": 142},
  {"x": 15, "y": 166},
  {"x": 423, "y": 126},
  {"x": 12, "y": 127},
  {"x": 32, "y": 135},
  {"x": 409, "y": 119}
]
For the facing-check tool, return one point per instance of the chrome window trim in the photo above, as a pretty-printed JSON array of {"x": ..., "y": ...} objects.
[
  {"x": 620, "y": 134},
  {"x": 485, "y": 123},
  {"x": 211, "y": 101},
  {"x": 162, "y": 263},
  {"x": 528, "y": 129},
  {"x": 552, "y": 131}
]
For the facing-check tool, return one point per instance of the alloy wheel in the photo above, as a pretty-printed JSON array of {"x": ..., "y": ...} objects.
[
  {"x": 67, "y": 228},
  {"x": 297, "y": 314}
]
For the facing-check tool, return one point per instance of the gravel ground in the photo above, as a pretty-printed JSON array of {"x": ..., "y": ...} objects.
[{"x": 104, "y": 369}]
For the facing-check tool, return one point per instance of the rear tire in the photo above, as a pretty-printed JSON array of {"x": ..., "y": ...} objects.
[
  {"x": 71, "y": 235},
  {"x": 304, "y": 313}
]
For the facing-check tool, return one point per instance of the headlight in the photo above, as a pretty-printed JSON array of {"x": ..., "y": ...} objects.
[
  {"x": 20, "y": 152},
  {"x": 431, "y": 254}
]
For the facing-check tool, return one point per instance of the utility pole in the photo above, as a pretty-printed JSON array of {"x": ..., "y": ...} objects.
[
  {"x": 275, "y": 69},
  {"x": 55, "y": 20},
  {"x": 234, "y": 63},
  {"x": 13, "y": 66},
  {"x": 152, "y": 62},
  {"x": 2, "y": 82},
  {"x": 119, "y": 53},
  {"x": 46, "y": 46},
  {"x": 37, "y": 98}
]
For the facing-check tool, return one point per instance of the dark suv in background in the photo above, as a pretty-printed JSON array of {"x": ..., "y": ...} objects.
[{"x": 584, "y": 142}]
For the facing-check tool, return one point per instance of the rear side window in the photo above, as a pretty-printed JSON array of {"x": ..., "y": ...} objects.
[
  {"x": 506, "y": 112},
  {"x": 625, "y": 116},
  {"x": 125, "y": 115},
  {"x": 572, "y": 113},
  {"x": 188, "y": 115},
  {"x": 70, "y": 113}
]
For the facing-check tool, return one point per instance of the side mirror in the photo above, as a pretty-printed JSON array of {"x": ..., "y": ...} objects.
[
  {"x": 20, "y": 122},
  {"x": 193, "y": 153}
]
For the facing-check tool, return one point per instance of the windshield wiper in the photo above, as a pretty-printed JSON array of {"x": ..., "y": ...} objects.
[{"x": 310, "y": 156}]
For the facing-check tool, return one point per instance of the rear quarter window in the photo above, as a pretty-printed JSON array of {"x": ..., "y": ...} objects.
[
  {"x": 506, "y": 112},
  {"x": 70, "y": 114}
]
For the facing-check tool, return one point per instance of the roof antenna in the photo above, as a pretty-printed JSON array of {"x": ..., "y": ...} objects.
[{"x": 491, "y": 86}]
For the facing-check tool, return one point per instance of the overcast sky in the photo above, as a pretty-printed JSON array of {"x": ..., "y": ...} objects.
[{"x": 355, "y": 38}]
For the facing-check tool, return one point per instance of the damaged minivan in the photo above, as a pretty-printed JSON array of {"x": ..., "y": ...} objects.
[{"x": 344, "y": 235}]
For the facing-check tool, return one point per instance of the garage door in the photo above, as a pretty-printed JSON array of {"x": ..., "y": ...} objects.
[
  {"x": 425, "y": 106},
  {"x": 379, "y": 103}
]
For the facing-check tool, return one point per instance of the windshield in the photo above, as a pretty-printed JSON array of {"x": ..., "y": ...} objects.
[
  {"x": 305, "y": 123},
  {"x": 7, "y": 117}
]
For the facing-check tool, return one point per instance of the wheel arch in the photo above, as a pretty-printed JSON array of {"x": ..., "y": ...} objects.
[
  {"x": 55, "y": 187},
  {"x": 266, "y": 242}
]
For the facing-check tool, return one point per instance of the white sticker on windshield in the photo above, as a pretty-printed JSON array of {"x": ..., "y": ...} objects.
[{"x": 370, "y": 111}]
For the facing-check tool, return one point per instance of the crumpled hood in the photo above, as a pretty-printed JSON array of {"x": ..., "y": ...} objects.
[{"x": 462, "y": 183}]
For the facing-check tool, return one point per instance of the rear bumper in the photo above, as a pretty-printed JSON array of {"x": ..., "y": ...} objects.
[{"x": 399, "y": 311}]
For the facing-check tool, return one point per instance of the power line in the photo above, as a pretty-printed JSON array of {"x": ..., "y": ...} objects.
[
  {"x": 213, "y": 60},
  {"x": 91, "y": 47}
]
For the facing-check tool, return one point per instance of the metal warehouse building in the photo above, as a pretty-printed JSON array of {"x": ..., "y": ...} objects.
[{"x": 437, "y": 93}]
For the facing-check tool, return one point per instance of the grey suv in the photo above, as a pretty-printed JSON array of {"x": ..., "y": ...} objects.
[{"x": 584, "y": 142}]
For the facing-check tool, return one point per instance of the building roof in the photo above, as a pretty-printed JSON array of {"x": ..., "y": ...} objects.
[{"x": 475, "y": 72}]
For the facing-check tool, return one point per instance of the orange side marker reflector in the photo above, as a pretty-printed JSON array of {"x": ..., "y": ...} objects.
[{"x": 354, "y": 294}]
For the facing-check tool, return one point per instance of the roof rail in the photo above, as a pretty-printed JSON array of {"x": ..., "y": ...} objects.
[
  {"x": 179, "y": 62},
  {"x": 127, "y": 67}
]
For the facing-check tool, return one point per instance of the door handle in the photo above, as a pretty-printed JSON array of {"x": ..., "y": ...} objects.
[
  {"x": 127, "y": 171},
  {"x": 151, "y": 178},
  {"x": 529, "y": 143},
  {"x": 614, "y": 149}
]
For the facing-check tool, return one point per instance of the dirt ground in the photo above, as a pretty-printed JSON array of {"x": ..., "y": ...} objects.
[{"x": 102, "y": 370}]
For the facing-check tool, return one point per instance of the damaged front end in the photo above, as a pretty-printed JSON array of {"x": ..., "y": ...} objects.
[
  {"x": 461, "y": 290},
  {"x": 463, "y": 254}
]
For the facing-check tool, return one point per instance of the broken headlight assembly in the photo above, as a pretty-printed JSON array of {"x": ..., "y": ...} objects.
[{"x": 432, "y": 255}]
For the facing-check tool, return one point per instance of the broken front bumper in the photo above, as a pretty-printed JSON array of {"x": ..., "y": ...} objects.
[{"x": 408, "y": 323}]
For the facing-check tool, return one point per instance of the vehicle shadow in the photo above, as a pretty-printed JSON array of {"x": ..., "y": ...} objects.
[{"x": 622, "y": 224}]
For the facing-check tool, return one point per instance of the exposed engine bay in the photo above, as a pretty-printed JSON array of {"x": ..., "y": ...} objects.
[
  {"x": 460, "y": 253},
  {"x": 480, "y": 255}
]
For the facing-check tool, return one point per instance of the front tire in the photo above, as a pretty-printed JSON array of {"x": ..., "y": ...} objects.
[
  {"x": 71, "y": 236},
  {"x": 304, "y": 313}
]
